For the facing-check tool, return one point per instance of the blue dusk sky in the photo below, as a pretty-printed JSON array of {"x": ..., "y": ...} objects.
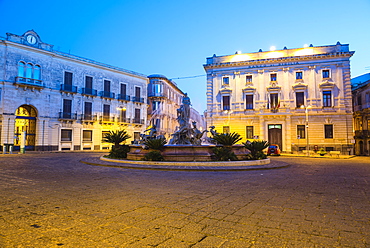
[{"x": 174, "y": 38}]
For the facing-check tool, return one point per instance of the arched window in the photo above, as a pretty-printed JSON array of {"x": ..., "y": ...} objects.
[
  {"x": 21, "y": 69},
  {"x": 29, "y": 70},
  {"x": 37, "y": 72}
]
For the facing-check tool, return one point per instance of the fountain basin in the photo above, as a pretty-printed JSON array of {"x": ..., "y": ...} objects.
[{"x": 184, "y": 153}]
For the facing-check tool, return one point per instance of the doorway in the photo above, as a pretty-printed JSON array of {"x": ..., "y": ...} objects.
[
  {"x": 25, "y": 121},
  {"x": 275, "y": 135}
]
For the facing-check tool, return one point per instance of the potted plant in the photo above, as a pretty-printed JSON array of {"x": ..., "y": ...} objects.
[{"x": 322, "y": 152}]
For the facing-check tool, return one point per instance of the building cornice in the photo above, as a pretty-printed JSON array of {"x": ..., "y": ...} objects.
[{"x": 282, "y": 61}]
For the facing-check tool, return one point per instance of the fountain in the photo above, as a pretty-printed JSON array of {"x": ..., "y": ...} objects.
[{"x": 186, "y": 142}]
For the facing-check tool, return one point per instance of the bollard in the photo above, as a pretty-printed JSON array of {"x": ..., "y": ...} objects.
[
  {"x": 4, "y": 149},
  {"x": 10, "y": 149}
]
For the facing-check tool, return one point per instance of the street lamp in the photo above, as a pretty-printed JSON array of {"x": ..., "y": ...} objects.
[{"x": 308, "y": 143}]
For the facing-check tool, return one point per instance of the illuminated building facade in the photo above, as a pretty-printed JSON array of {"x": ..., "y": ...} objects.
[
  {"x": 164, "y": 98},
  {"x": 361, "y": 114},
  {"x": 296, "y": 98},
  {"x": 59, "y": 101}
]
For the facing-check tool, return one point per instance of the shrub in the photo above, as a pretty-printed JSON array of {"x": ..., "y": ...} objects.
[
  {"x": 256, "y": 148},
  {"x": 223, "y": 153},
  {"x": 119, "y": 152},
  {"x": 227, "y": 139},
  {"x": 116, "y": 137},
  {"x": 153, "y": 156},
  {"x": 156, "y": 144}
]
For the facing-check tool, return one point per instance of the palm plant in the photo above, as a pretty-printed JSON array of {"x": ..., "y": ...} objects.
[
  {"x": 116, "y": 137},
  {"x": 256, "y": 148},
  {"x": 227, "y": 139},
  {"x": 156, "y": 144}
]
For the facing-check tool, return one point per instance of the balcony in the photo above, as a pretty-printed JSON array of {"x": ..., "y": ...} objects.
[
  {"x": 138, "y": 121},
  {"x": 107, "y": 94},
  {"x": 85, "y": 117},
  {"x": 123, "y": 97},
  {"x": 67, "y": 116},
  {"x": 90, "y": 92},
  {"x": 22, "y": 81},
  {"x": 68, "y": 88},
  {"x": 156, "y": 94},
  {"x": 138, "y": 99},
  {"x": 121, "y": 119},
  {"x": 107, "y": 119},
  {"x": 361, "y": 134}
]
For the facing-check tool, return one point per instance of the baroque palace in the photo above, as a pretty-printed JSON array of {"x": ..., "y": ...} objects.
[{"x": 297, "y": 98}]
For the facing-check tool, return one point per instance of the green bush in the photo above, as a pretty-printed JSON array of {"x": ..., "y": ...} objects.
[
  {"x": 256, "y": 148},
  {"x": 156, "y": 144},
  {"x": 223, "y": 153},
  {"x": 227, "y": 139},
  {"x": 116, "y": 137},
  {"x": 153, "y": 156},
  {"x": 119, "y": 152}
]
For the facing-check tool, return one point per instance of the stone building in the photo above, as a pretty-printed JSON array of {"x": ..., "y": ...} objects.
[
  {"x": 361, "y": 113},
  {"x": 164, "y": 98},
  {"x": 296, "y": 98},
  {"x": 59, "y": 101}
]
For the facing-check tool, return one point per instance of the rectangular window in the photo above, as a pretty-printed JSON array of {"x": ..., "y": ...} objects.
[
  {"x": 122, "y": 115},
  {"x": 67, "y": 107},
  {"x": 106, "y": 85},
  {"x": 248, "y": 101},
  {"x": 106, "y": 112},
  {"x": 87, "y": 135},
  {"x": 226, "y": 129},
  {"x": 273, "y": 77},
  {"x": 248, "y": 79},
  {"x": 66, "y": 135},
  {"x": 225, "y": 80},
  {"x": 359, "y": 100},
  {"x": 325, "y": 74},
  {"x": 123, "y": 90},
  {"x": 68, "y": 78},
  {"x": 226, "y": 102},
  {"x": 137, "y": 116},
  {"x": 274, "y": 100},
  {"x": 326, "y": 95},
  {"x": 157, "y": 88},
  {"x": 156, "y": 105},
  {"x": 249, "y": 130},
  {"x": 137, "y": 93},
  {"x": 104, "y": 133},
  {"x": 88, "y": 82},
  {"x": 328, "y": 131},
  {"x": 136, "y": 135},
  {"x": 299, "y": 99},
  {"x": 301, "y": 131},
  {"x": 298, "y": 75}
]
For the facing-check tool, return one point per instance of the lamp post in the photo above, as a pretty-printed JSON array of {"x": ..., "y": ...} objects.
[{"x": 307, "y": 140}]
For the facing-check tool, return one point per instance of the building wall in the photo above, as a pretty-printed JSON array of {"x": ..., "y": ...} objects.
[
  {"x": 361, "y": 117},
  {"x": 46, "y": 96},
  {"x": 251, "y": 75}
]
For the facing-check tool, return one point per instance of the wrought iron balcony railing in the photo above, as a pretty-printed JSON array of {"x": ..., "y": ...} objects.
[
  {"x": 67, "y": 116},
  {"x": 123, "y": 97},
  {"x": 138, "y": 121},
  {"x": 29, "y": 81},
  {"x": 68, "y": 88},
  {"x": 86, "y": 117},
  {"x": 88, "y": 91},
  {"x": 107, "y": 94},
  {"x": 138, "y": 99}
]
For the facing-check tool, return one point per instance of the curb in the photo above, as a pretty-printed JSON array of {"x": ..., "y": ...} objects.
[{"x": 194, "y": 167}]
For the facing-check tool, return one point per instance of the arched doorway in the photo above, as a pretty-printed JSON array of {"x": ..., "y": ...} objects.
[{"x": 25, "y": 120}]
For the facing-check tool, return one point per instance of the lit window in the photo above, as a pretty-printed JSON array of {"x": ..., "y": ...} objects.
[
  {"x": 301, "y": 132},
  {"x": 327, "y": 98},
  {"x": 249, "y": 130},
  {"x": 298, "y": 75},
  {"x": 274, "y": 100},
  {"x": 248, "y": 79},
  {"x": 225, "y": 80},
  {"x": 328, "y": 131},
  {"x": 66, "y": 135},
  {"x": 325, "y": 74}
]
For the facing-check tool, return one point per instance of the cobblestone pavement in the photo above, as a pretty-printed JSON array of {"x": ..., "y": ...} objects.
[{"x": 53, "y": 200}]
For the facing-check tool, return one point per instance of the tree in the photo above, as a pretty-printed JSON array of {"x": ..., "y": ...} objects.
[
  {"x": 227, "y": 139},
  {"x": 116, "y": 137},
  {"x": 256, "y": 148}
]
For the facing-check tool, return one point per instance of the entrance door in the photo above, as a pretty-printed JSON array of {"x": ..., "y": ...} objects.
[
  {"x": 275, "y": 135},
  {"x": 25, "y": 121}
]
